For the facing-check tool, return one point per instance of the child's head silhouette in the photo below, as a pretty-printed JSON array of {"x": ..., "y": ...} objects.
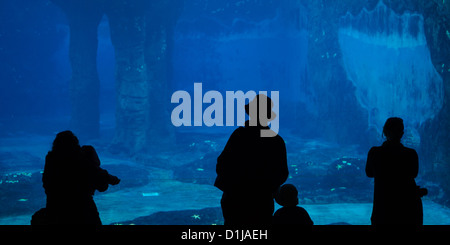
[{"x": 287, "y": 195}]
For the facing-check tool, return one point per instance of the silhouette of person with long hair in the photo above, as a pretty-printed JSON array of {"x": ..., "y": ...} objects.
[
  {"x": 397, "y": 198},
  {"x": 251, "y": 168},
  {"x": 71, "y": 176}
]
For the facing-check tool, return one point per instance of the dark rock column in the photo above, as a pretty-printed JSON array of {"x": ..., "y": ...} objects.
[
  {"x": 127, "y": 24},
  {"x": 141, "y": 32},
  {"x": 83, "y": 17},
  {"x": 160, "y": 26}
]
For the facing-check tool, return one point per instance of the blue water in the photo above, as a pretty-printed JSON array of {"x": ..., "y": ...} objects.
[{"x": 385, "y": 70}]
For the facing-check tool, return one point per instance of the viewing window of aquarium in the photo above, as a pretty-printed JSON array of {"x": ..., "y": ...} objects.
[{"x": 211, "y": 112}]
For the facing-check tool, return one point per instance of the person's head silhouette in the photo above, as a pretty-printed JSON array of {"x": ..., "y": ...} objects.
[
  {"x": 65, "y": 142},
  {"x": 393, "y": 129},
  {"x": 255, "y": 109},
  {"x": 287, "y": 195}
]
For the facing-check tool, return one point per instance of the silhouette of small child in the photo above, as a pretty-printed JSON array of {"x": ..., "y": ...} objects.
[
  {"x": 102, "y": 179},
  {"x": 290, "y": 213}
]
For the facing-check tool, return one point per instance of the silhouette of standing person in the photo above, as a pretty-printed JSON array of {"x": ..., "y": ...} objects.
[
  {"x": 394, "y": 167},
  {"x": 251, "y": 168},
  {"x": 71, "y": 176}
]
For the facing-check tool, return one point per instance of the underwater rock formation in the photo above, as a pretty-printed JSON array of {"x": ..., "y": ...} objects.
[
  {"x": 21, "y": 192},
  {"x": 347, "y": 173},
  {"x": 332, "y": 101},
  {"x": 141, "y": 37},
  {"x": 141, "y": 33},
  {"x": 387, "y": 59},
  {"x": 127, "y": 24},
  {"x": 160, "y": 25},
  {"x": 335, "y": 95},
  {"x": 83, "y": 17},
  {"x": 243, "y": 45}
]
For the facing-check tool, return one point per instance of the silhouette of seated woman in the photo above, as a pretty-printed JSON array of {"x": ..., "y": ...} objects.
[
  {"x": 394, "y": 167},
  {"x": 71, "y": 176},
  {"x": 290, "y": 213},
  {"x": 251, "y": 168}
]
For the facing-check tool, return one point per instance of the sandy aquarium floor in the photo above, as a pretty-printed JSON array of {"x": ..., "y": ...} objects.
[{"x": 164, "y": 191}]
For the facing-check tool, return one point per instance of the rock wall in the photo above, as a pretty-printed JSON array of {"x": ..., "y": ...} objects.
[
  {"x": 142, "y": 35},
  {"x": 387, "y": 59},
  {"x": 326, "y": 74},
  {"x": 337, "y": 117}
]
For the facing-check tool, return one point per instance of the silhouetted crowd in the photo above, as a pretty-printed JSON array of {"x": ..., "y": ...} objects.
[{"x": 251, "y": 171}]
